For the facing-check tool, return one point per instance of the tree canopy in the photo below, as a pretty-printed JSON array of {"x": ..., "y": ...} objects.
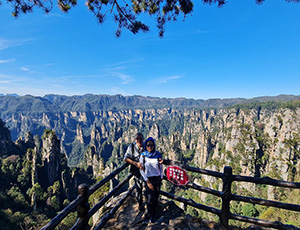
[{"x": 125, "y": 13}]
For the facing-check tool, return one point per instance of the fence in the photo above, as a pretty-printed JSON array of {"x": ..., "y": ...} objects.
[
  {"x": 227, "y": 196},
  {"x": 84, "y": 213},
  {"x": 82, "y": 206}
]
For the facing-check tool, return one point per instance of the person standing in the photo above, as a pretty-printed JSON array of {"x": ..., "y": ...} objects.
[
  {"x": 152, "y": 173},
  {"x": 132, "y": 156}
]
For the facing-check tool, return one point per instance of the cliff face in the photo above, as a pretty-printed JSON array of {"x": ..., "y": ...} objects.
[
  {"x": 254, "y": 142},
  {"x": 41, "y": 162},
  {"x": 51, "y": 157},
  {"x": 6, "y": 144}
]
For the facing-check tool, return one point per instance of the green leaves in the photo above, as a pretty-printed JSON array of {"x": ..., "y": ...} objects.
[
  {"x": 65, "y": 5},
  {"x": 124, "y": 13},
  {"x": 250, "y": 210},
  {"x": 186, "y": 6}
]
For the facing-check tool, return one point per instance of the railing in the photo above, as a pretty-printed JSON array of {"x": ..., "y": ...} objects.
[
  {"x": 84, "y": 213},
  {"x": 82, "y": 206},
  {"x": 226, "y": 196}
]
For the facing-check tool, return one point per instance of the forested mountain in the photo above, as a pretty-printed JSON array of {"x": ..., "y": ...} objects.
[
  {"x": 256, "y": 137},
  {"x": 89, "y": 102},
  {"x": 35, "y": 181}
]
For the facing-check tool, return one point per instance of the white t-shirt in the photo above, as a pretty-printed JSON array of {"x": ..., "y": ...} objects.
[{"x": 152, "y": 167}]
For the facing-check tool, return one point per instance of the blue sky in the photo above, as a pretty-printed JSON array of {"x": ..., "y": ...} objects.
[{"x": 240, "y": 50}]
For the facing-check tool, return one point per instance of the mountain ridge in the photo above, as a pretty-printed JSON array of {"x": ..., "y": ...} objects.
[{"x": 91, "y": 102}]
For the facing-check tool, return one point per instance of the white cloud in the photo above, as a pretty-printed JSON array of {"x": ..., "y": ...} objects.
[
  {"x": 6, "y": 82},
  {"x": 9, "y": 79},
  {"x": 165, "y": 80},
  {"x": 5, "y": 43},
  {"x": 4, "y": 76},
  {"x": 130, "y": 61},
  {"x": 126, "y": 79},
  {"x": 7, "y": 61},
  {"x": 24, "y": 69},
  {"x": 117, "y": 69},
  {"x": 123, "y": 65}
]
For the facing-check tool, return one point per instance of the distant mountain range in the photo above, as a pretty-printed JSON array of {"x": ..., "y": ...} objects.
[
  {"x": 60, "y": 103},
  {"x": 9, "y": 94}
]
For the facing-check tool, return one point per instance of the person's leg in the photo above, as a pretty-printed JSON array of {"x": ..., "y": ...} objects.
[
  {"x": 151, "y": 197},
  {"x": 139, "y": 187},
  {"x": 156, "y": 192},
  {"x": 149, "y": 201}
]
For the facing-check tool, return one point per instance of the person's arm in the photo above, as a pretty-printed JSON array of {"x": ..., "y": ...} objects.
[
  {"x": 129, "y": 155},
  {"x": 160, "y": 162},
  {"x": 150, "y": 185},
  {"x": 135, "y": 163}
]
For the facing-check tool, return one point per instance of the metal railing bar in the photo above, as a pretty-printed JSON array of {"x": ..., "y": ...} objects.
[
  {"x": 193, "y": 169},
  {"x": 267, "y": 181},
  {"x": 66, "y": 211},
  {"x": 97, "y": 206},
  {"x": 254, "y": 200},
  {"x": 192, "y": 203},
  {"x": 200, "y": 188},
  {"x": 106, "y": 179},
  {"x": 226, "y": 178},
  {"x": 264, "y": 223},
  {"x": 94, "y": 209},
  {"x": 75, "y": 203},
  {"x": 204, "y": 189}
]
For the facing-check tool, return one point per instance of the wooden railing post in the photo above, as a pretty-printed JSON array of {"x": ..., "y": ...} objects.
[
  {"x": 83, "y": 208},
  {"x": 226, "y": 198}
]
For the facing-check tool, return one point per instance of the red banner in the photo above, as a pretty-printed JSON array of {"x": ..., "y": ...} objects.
[{"x": 177, "y": 175}]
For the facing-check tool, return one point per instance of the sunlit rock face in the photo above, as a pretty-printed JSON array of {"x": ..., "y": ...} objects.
[
  {"x": 51, "y": 156},
  {"x": 95, "y": 131}
]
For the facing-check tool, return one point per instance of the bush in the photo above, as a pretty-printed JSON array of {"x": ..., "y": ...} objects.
[{"x": 250, "y": 210}]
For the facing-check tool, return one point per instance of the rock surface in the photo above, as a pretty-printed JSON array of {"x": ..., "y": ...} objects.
[{"x": 169, "y": 216}]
